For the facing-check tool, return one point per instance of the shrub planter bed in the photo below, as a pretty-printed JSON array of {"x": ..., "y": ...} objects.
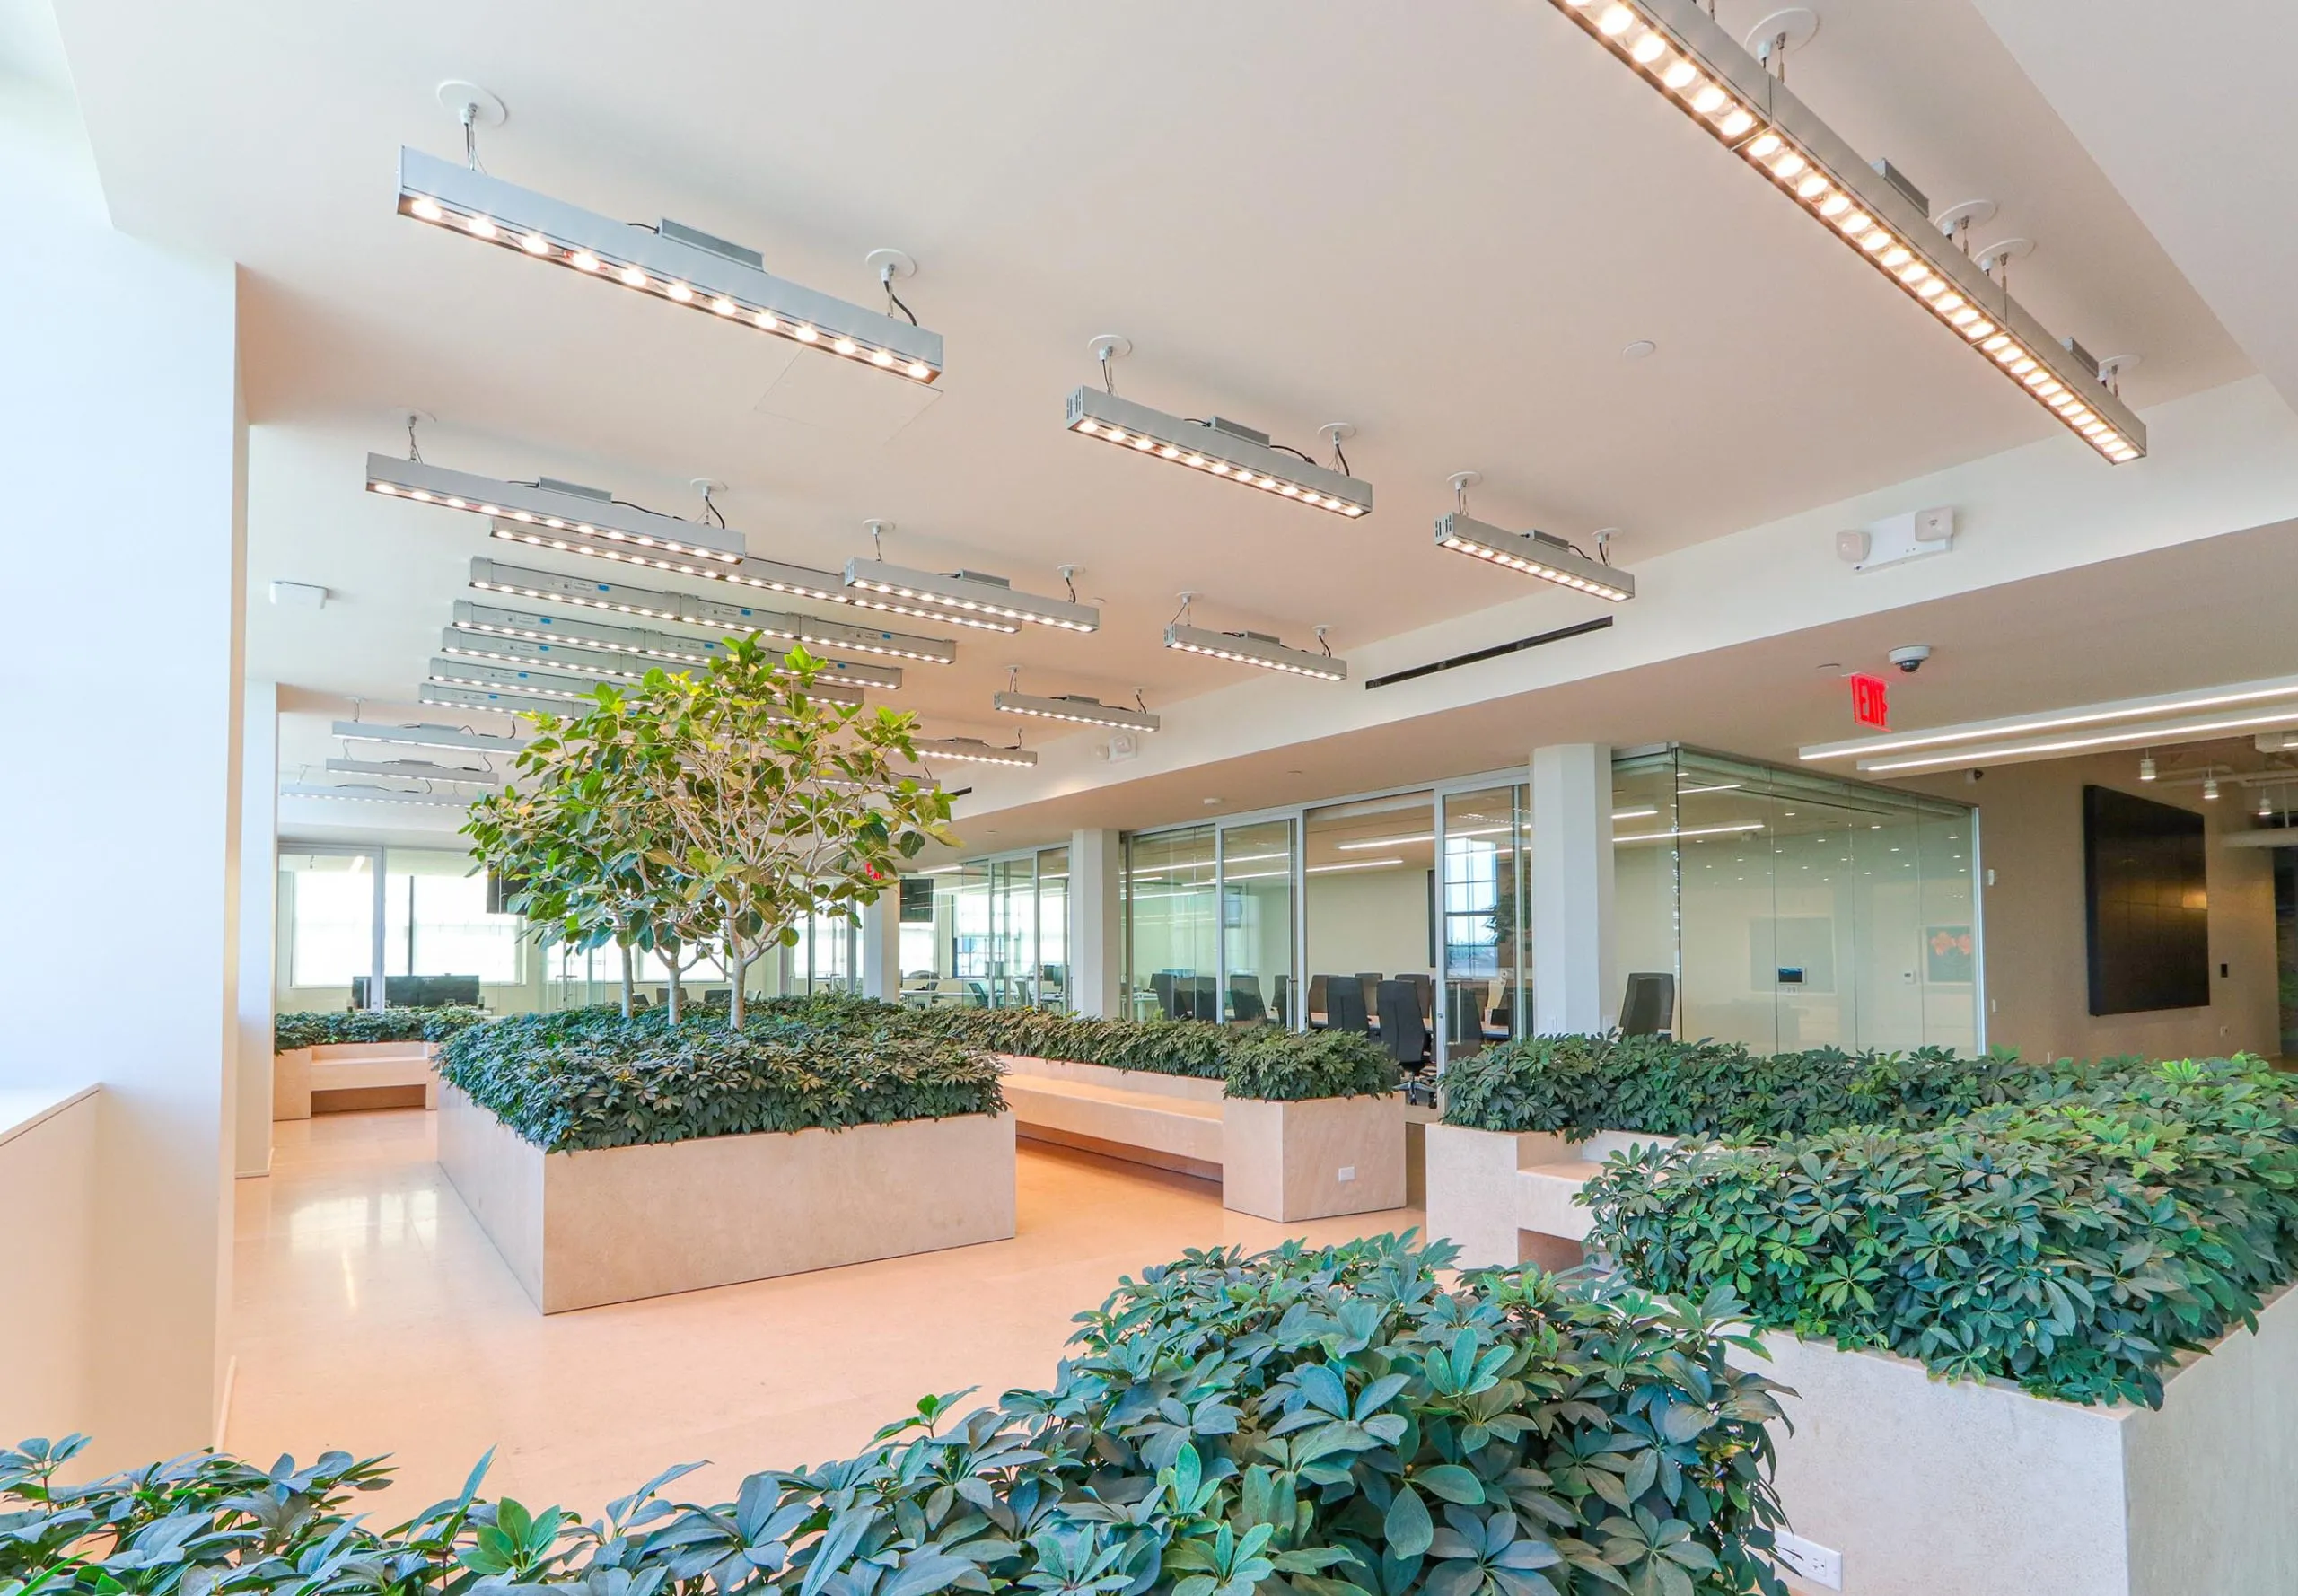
[
  {"x": 611, "y": 1224},
  {"x": 1509, "y": 1198},
  {"x": 1926, "y": 1486},
  {"x": 338, "y": 1075}
]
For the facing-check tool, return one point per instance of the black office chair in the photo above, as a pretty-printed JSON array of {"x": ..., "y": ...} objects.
[
  {"x": 1403, "y": 1035},
  {"x": 1372, "y": 980},
  {"x": 1280, "y": 1009},
  {"x": 1319, "y": 1000},
  {"x": 1245, "y": 1006},
  {"x": 1161, "y": 983},
  {"x": 1345, "y": 1004},
  {"x": 1463, "y": 1019},
  {"x": 1205, "y": 992},
  {"x": 1513, "y": 1009},
  {"x": 1425, "y": 985},
  {"x": 1649, "y": 1008}
]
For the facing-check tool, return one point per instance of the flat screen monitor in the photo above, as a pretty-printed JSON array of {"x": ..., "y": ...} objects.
[{"x": 2147, "y": 907}]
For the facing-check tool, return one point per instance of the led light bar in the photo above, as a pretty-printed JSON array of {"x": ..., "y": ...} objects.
[
  {"x": 363, "y": 795},
  {"x": 486, "y": 620},
  {"x": 416, "y": 770},
  {"x": 468, "y": 697},
  {"x": 1701, "y": 70},
  {"x": 1218, "y": 449},
  {"x": 968, "y": 598},
  {"x": 578, "y": 513},
  {"x": 972, "y": 751},
  {"x": 426, "y": 736},
  {"x": 1077, "y": 708},
  {"x": 621, "y": 669},
  {"x": 727, "y": 618},
  {"x": 544, "y": 686},
  {"x": 2147, "y": 733},
  {"x": 1255, "y": 648},
  {"x": 673, "y": 263},
  {"x": 1535, "y": 553}
]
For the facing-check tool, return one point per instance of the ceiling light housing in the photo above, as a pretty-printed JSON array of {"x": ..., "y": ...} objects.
[
  {"x": 1217, "y": 449},
  {"x": 1694, "y": 65},
  {"x": 677, "y": 264},
  {"x": 416, "y": 770},
  {"x": 580, "y": 515},
  {"x": 1079, "y": 708},
  {"x": 2193, "y": 701},
  {"x": 665, "y": 648},
  {"x": 727, "y": 618},
  {"x": 1255, "y": 648},
  {"x": 620, "y": 668},
  {"x": 972, "y": 751},
  {"x": 425, "y": 735},
  {"x": 968, "y": 597},
  {"x": 1535, "y": 553},
  {"x": 444, "y": 696},
  {"x": 358, "y": 793}
]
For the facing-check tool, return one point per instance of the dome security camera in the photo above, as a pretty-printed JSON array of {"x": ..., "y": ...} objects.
[{"x": 1909, "y": 657}]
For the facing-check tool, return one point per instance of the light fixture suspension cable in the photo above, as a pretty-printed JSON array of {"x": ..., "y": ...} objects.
[
  {"x": 886, "y": 276},
  {"x": 414, "y": 453},
  {"x": 470, "y": 117}
]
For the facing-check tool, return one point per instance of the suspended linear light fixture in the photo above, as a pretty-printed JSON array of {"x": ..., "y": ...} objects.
[
  {"x": 672, "y": 262},
  {"x": 1534, "y": 553},
  {"x": 370, "y": 795},
  {"x": 543, "y": 686},
  {"x": 968, "y": 597},
  {"x": 1694, "y": 65},
  {"x": 609, "y": 666},
  {"x": 1075, "y": 708},
  {"x": 444, "y": 696},
  {"x": 425, "y": 735},
  {"x": 487, "y": 620},
  {"x": 575, "y": 675},
  {"x": 586, "y": 518},
  {"x": 692, "y": 610},
  {"x": 1217, "y": 447},
  {"x": 1252, "y": 648},
  {"x": 972, "y": 751},
  {"x": 416, "y": 770}
]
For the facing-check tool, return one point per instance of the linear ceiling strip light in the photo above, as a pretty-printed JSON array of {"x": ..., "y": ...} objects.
[
  {"x": 425, "y": 735},
  {"x": 2195, "y": 728},
  {"x": 673, "y": 262},
  {"x": 968, "y": 597},
  {"x": 972, "y": 751},
  {"x": 567, "y": 508},
  {"x": 1701, "y": 70},
  {"x": 1079, "y": 708},
  {"x": 692, "y": 610},
  {"x": 1255, "y": 648},
  {"x": 1218, "y": 448},
  {"x": 466, "y": 697},
  {"x": 366, "y": 795},
  {"x": 2060, "y": 720},
  {"x": 1535, "y": 553},
  {"x": 616, "y": 667},
  {"x": 487, "y": 620},
  {"x": 416, "y": 770}
]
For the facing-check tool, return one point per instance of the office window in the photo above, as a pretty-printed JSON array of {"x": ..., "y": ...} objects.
[
  {"x": 1053, "y": 928},
  {"x": 1369, "y": 881},
  {"x": 1173, "y": 924},
  {"x": 1487, "y": 939},
  {"x": 1257, "y": 923},
  {"x": 327, "y": 907},
  {"x": 435, "y": 921}
]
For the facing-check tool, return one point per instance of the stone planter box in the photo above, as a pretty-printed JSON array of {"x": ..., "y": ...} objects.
[
  {"x": 1926, "y": 1488},
  {"x": 1510, "y": 1198},
  {"x": 582, "y": 1229},
  {"x": 372, "y": 1069},
  {"x": 1286, "y": 1162}
]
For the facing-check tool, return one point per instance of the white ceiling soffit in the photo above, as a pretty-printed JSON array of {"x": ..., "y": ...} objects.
[
  {"x": 2088, "y": 739},
  {"x": 2188, "y": 111},
  {"x": 2274, "y": 696}
]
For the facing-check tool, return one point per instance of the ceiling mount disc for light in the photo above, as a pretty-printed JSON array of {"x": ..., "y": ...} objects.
[
  {"x": 1794, "y": 27},
  {"x": 897, "y": 264},
  {"x": 1970, "y": 213},
  {"x": 486, "y": 107},
  {"x": 1109, "y": 346}
]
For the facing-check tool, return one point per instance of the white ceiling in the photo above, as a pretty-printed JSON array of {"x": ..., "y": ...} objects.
[{"x": 1440, "y": 223}]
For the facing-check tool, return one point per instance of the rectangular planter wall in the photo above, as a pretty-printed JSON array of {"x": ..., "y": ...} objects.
[
  {"x": 582, "y": 1229},
  {"x": 1927, "y": 1487},
  {"x": 350, "y": 1067},
  {"x": 1507, "y": 1198}
]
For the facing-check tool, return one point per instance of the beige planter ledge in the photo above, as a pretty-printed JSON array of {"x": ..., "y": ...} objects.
[
  {"x": 1512, "y": 1198},
  {"x": 363, "y": 1067},
  {"x": 615, "y": 1224},
  {"x": 1282, "y": 1160},
  {"x": 1926, "y": 1488}
]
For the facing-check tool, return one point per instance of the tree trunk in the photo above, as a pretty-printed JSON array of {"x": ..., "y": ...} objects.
[
  {"x": 669, "y": 953},
  {"x": 735, "y": 966},
  {"x": 629, "y": 981}
]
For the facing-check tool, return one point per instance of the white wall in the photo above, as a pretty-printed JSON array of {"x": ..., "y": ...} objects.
[
  {"x": 48, "y": 1185},
  {"x": 1368, "y": 919},
  {"x": 120, "y": 441}
]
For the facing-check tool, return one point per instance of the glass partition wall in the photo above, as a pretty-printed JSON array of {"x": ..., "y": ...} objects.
[
  {"x": 987, "y": 933},
  {"x": 1797, "y": 910}
]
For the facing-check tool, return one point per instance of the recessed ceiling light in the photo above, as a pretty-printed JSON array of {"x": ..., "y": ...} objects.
[{"x": 1642, "y": 349}]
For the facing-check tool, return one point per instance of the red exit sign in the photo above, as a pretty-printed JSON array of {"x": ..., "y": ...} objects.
[{"x": 1871, "y": 702}]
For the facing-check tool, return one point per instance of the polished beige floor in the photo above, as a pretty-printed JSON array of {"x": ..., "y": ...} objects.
[{"x": 371, "y": 1314}]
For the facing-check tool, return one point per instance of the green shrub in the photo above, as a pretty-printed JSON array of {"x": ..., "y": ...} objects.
[
  {"x": 333, "y": 1028},
  {"x": 1581, "y": 1084},
  {"x": 589, "y": 1078},
  {"x": 1333, "y": 1423},
  {"x": 2075, "y": 1242},
  {"x": 1259, "y": 1061}
]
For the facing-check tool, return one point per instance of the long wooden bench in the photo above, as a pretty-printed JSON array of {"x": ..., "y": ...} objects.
[
  {"x": 1515, "y": 1198},
  {"x": 344, "y": 1075},
  {"x": 1286, "y": 1162}
]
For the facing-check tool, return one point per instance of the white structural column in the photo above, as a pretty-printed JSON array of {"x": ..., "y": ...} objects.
[
  {"x": 121, "y": 444},
  {"x": 1574, "y": 981},
  {"x": 258, "y": 911},
  {"x": 882, "y": 946},
  {"x": 1096, "y": 922}
]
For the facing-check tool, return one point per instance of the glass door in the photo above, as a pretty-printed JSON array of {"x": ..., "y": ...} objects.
[
  {"x": 1487, "y": 942},
  {"x": 1174, "y": 952},
  {"x": 1257, "y": 923}
]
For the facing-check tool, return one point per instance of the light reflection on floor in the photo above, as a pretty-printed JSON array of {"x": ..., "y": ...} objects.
[{"x": 371, "y": 1313}]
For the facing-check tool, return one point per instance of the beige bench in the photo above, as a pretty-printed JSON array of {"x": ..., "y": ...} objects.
[
  {"x": 1286, "y": 1162},
  {"x": 343, "y": 1075},
  {"x": 1509, "y": 1199}
]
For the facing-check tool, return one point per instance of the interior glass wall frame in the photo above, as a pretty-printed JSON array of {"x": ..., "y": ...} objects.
[{"x": 1000, "y": 932}]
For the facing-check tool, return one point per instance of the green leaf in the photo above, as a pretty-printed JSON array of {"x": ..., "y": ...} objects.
[{"x": 1408, "y": 1526}]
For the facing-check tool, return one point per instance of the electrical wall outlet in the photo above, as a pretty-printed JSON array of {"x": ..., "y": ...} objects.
[
  {"x": 1348, "y": 1171},
  {"x": 1809, "y": 1562}
]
